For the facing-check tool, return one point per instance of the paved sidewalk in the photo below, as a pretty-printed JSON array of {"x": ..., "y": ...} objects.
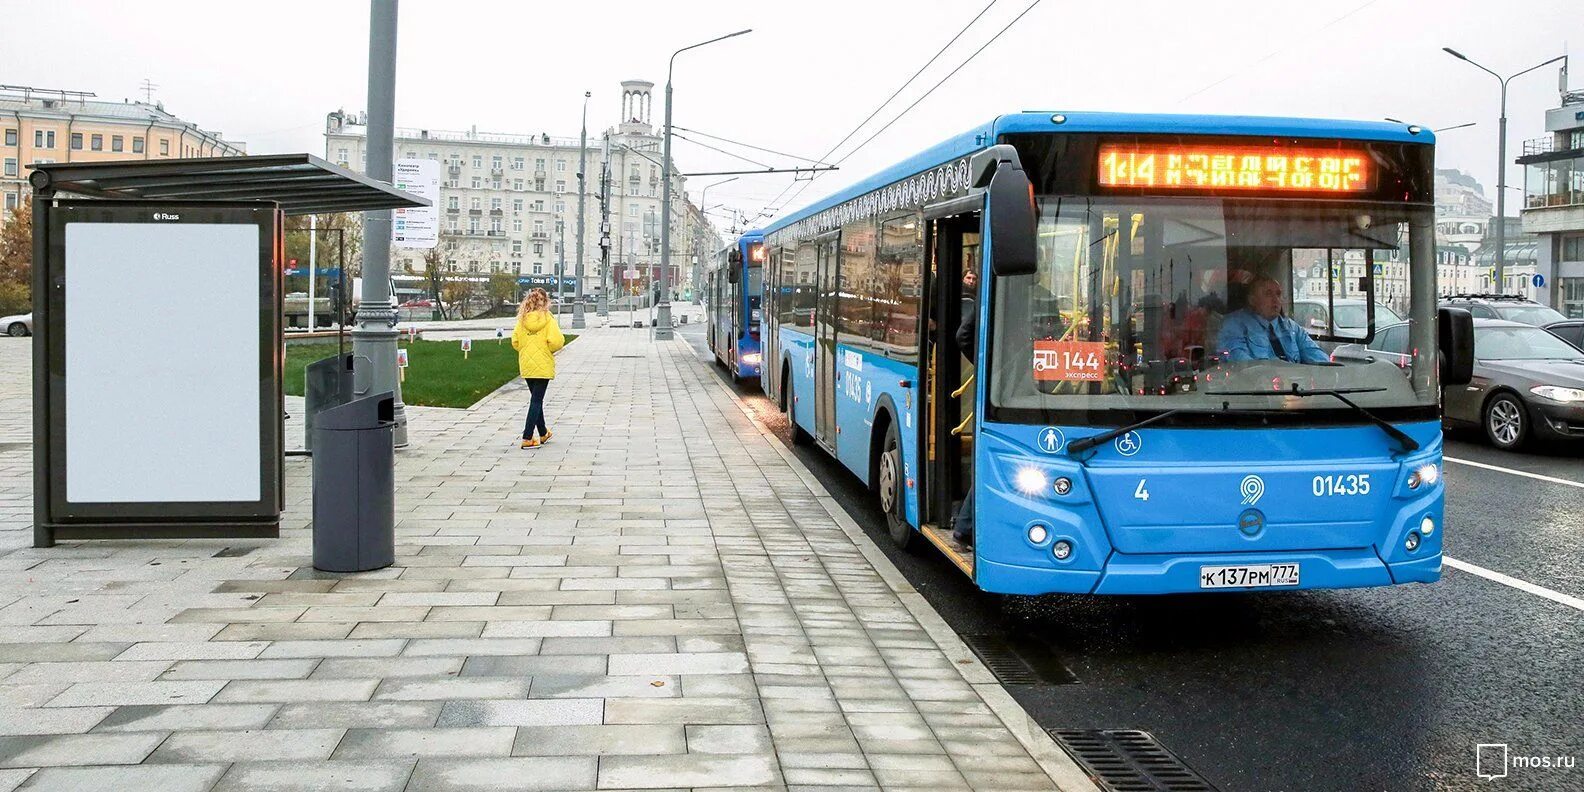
[{"x": 662, "y": 597}]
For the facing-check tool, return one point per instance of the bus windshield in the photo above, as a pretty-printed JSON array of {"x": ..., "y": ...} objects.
[{"x": 1149, "y": 304}]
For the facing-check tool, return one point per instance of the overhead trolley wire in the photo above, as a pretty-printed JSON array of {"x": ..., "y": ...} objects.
[
  {"x": 894, "y": 94},
  {"x": 927, "y": 93}
]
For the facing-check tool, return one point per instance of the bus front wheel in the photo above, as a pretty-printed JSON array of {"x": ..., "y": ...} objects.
[{"x": 888, "y": 485}]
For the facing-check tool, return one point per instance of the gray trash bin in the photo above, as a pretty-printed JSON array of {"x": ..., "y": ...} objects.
[
  {"x": 354, "y": 485},
  {"x": 326, "y": 383}
]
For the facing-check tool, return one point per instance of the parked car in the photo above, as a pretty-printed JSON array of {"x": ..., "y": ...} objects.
[
  {"x": 1569, "y": 330},
  {"x": 1350, "y": 316},
  {"x": 19, "y": 325},
  {"x": 1510, "y": 307},
  {"x": 1527, "y": 383}
]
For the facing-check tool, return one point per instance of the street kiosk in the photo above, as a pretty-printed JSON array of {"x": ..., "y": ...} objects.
[{"x": 157, "y": 350}]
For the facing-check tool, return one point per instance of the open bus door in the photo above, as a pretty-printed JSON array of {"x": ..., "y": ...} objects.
[
  {"x": 952, "y": 244},
  {"x": 825, "y": 308}
]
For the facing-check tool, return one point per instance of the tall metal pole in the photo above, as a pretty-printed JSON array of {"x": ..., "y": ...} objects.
[
  {"x": 313, "y": 249},
  {"x": 374, "y": 337},
  {"x": 577, "y": 305},
  {"x": 603, "y": 305},
  {"x": 1499, "y": 270},
  {"x": 560, "y": 272},
  {"x": 1501, "y": 195},
  {"x": 662, "y": 331}
]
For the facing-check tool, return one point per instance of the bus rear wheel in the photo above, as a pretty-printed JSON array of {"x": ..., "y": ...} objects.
[{"x": 888, "y": 485}]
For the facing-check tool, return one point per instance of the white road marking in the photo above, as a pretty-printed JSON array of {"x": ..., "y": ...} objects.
[
  {"x": 1525, "y": 474},
  {"x": 1522, "y": 585}
]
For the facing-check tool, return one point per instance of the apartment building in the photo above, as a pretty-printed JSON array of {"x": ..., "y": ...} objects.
[
  {"x": 508, "y": 202},
  {"x": 45, "y": 125}
]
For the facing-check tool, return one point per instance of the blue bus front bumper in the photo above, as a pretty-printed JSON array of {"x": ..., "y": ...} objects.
[{"x": 1177, "y": 574}]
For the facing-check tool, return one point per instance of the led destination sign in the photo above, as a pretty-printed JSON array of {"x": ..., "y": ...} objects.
[{"x": 1216, "y": 167}]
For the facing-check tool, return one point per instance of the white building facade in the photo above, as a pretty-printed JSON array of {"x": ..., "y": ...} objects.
[{"x": 509, "y": 202}]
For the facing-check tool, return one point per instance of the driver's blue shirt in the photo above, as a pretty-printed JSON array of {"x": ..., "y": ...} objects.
[{"x": 1245, "y": 335}]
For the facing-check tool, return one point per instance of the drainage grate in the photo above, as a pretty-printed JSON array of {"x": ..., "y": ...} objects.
[
  {"x": 1019, "y": 661},
  {"x": 1125, "y": 760},
  {"x": 625, "y": 357},
  {"x": 233, "y": 552}
]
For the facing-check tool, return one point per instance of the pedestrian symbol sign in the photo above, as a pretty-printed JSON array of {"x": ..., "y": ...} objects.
[{"x": 1050, "y": 440}]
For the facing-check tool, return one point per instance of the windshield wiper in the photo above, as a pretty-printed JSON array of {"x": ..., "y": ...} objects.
[
  {"x": 1408, "y": 443},
  {"x": 1084, "y": 444}
]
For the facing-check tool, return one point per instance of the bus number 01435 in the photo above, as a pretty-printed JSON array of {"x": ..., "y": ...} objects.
[{"x": 1351, "y": 484}]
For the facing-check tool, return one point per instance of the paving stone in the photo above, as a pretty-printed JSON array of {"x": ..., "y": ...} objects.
[
  {"x": 187, "y": 717},
  {"x": 242, "y": 669},
  {"x": 258, "y": 745},
  {"x": 448, "y": 688},
  {"x": 77, "y": 749},
  {"x": 417, "y": 630},
  {"x": 11, "y": 779},
  {"x": 474, "y": 646},
  {"x": 360, "y": 714},
  {"x": 389, "y": 776},
  {"x": 475, "y": 741},
  {"x": 683, "y": 711},
  {"x": 595, "y": 740},
  {"x": 59, "y": 652},
  {"x": 533, "y": 712},
  {"x": 164, "y": 778},
  {"x": 559, "y": 665},
  {"x": 295, "y": 690},
  {"x": 386, "y": 667},
  {"x": 546, "y": 629},
  {"x": 63, "y": 720},
  {"x": 93, "y": 694},
  {"x": 679, "y": 663},
  {"x": 728, "y": 739},
  {"x": 90, "y": 671},
  {"x": 638, "y": 772},
  {"x": 369, "y": 648},
  {"x": 192, "y": 650},
  {"x": 516, "y": 773}
]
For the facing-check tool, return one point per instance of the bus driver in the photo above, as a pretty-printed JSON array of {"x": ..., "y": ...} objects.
[{"x": 1260, "y": 331}]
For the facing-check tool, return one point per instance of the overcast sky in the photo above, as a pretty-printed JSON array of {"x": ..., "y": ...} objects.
[{"x": 266, "y": 73}]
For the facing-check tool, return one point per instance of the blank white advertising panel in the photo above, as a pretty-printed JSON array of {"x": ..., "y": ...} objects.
[{"x": 162, "y": 361}]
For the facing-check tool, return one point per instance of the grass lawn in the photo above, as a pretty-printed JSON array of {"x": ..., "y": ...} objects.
[{"x": 437, "y": 376}]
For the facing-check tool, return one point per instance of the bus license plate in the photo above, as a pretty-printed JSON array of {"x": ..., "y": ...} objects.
[{"x": 1248, "y": 576}]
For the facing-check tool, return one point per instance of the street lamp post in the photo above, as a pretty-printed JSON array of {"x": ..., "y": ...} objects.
[
  {"x": 703, "y": 202},
  {"x": 663, "y": 311},
  {"x": 577, "y": 300},
  {"x": 1501, "y": 159},
  {"x": 374, "y": 337}
]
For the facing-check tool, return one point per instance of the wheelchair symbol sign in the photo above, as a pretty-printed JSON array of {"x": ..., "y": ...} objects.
[{"x": 1129, "y": 444}]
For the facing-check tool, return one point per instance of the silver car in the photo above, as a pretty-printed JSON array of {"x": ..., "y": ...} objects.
[
  {"x": 17, "y": 326},
  {"x": 1527, "y": 382}
]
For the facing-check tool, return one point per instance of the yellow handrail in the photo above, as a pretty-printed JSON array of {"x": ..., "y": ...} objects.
[
  {"x": 961, "y": 429},
  {"x": 968, "y": 383}
]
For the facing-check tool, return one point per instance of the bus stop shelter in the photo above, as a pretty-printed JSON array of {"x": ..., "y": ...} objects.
[{"x": 157, "y": 352}]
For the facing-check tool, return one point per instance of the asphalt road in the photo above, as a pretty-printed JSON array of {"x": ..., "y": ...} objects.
[{"x": 1361, "y": 689}]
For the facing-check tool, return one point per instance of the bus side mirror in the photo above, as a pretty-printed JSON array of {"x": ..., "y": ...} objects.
[
  {"x": 1455, "y": 336},
  {"x": 1012, "y": 221}
]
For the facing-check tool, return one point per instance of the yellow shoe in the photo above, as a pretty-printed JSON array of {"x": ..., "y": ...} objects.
[
  {"x": 546, "y": 438},
  {"x": 530, "y": 443}
]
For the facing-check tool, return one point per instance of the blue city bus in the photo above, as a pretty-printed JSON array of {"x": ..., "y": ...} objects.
[
  {"x": 1108, "y": 396},
  {"x": 733, "y": 291}
]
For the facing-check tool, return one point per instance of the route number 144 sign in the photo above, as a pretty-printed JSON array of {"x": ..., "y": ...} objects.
[{"x": 1069, "y": 361}]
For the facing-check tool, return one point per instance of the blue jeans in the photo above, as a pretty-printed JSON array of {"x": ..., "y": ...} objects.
[
  {"x": 963, "y": 528},
  {"x": 536, "y": 419}
]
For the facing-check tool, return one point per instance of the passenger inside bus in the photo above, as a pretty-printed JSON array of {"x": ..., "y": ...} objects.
[
  {"x": 1260, "y": 331},
  {"x": 967, "y": 337}
]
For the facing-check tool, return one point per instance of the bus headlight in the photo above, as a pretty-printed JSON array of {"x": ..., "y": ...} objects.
[
  {"x": 1412, "y": 542},
  {"x": 1062, "y": 550},
  {"x": 1037, "y": 534},
  {"x": 752, "y": 358},
  {"x": 1427, "y": 525},
  {"x": 1424, "y": 474},
  {"x": 1030, "y": 480}
]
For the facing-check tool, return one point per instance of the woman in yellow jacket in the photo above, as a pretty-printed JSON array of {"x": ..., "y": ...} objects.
[{"x": 537, "y": 338}]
